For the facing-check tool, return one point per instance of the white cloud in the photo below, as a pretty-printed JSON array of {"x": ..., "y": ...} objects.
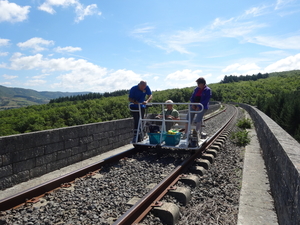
[
  {"x": 75, "y": 74},
  {"x": 47, "y": 6},
  {"x": 36, "y": 44},
  {"x": 237, "y": 29},
  {"x": 67, "y": 49},
  {"x": 218, "y": 22},
  {"x": 183, "y": 78},
  {"x": 283, "y": 3},
  {"x": 4, "y": 53},
  {"x": 9, "y": 77},
  {"x": 292, "y": 42},
  {"x": 286, "y": 64},
  {"x": 6, "y": 83},
  {"x": 181, "y": 40},
  {"x": 87, "y": 11},
  {"x": 12, "y": 12},
  {"x": 142, "y": 30},
  {"x": 80, "y": 10},
  {"x": 4, "y": 42},
  {"x": 156, "y": 78},
  {"x": 240, "y": 67},
  {"x": 103, "y": 81},
  {"x": 35, "y": 82},
  {"x": 40, "y": 76},
  {"x": 257, "y": 11}
]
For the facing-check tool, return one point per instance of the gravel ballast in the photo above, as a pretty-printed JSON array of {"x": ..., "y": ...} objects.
[{"x": 102, "y": 198}]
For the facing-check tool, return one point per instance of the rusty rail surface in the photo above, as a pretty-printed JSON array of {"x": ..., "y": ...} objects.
[
  {"x": 40, "y": 190},
  {"x": 22, "y": 197},
  {"x": 137, "y": 212}
]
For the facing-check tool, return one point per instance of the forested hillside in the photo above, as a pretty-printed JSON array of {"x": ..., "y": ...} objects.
[
  {"x": 19, "y": 97},
  {"x": 251, "y": 91},
  {"x": 278, "y": 96}
]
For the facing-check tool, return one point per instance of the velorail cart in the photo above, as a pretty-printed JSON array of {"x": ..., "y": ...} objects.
[{"x": 152, "y": 132}]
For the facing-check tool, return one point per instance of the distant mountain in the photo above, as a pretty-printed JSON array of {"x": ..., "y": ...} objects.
[{"x": 20, "y": 97}]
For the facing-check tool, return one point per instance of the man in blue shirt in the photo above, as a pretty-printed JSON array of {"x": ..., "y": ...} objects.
[{"x": 137, "y": 95}]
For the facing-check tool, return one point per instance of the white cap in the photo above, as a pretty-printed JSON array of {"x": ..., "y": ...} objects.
[{"x": 169, "y": 101}]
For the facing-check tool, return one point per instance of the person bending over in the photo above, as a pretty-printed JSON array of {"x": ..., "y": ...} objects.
[{"x": 137, "y": 95}]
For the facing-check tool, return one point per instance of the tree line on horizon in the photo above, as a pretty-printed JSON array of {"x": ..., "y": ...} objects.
[
  {"x": 89, "y": 96},
  {"x": 232, "y": 78},
  {"x": 94, "y": 107}
]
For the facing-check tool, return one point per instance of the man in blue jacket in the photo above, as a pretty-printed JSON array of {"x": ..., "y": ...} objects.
[
  {"x": 202, "y": 95},
  {"x": 137, "y": 95}
]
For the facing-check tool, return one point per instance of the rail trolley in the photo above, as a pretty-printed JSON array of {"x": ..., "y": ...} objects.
[{"x": 152, "y": 132}]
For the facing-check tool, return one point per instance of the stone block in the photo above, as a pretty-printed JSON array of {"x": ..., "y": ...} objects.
[
  {"x": 29, "y": 140},
  {"x": 54, "y": 147},
  {"x": 28, "y": 154},
  {"x": 64, "y": 154},
  {"x": 7, "y": 159},
  {"x": 45, "y": 159},
  {"x": 20, "y": 177},
  {"x": 5, "y": 182},
  {"x": 89, "y": 154},
  {"x": 97, "y": 136},
  {"x": 69, "y": 143},
  {"x": 6, "y": 171},
  {"x": 75, "y": 158},
  {"x": 38, "y": 171},
  {"x": 85, "y": 140},
  {"x": 93, "y": 145},
  {"x": 79, "y": 149},
  {"x": 51, "y": 137},
  {"x": 8, "y": 146},
  {"x": 24, "y": 165},
  {"x": 70, "y": 132},
  {"x": 56, "y": 165}
]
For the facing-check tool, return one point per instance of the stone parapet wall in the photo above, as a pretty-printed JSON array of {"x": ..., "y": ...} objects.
[
  {"x": 281, "y": 154},
  {"x": 25, "y": 156}
]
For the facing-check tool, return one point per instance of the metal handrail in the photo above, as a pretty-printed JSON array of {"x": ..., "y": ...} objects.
[
  {"x": 163, "y": 117},
  {"x": 138, "y": 211}
]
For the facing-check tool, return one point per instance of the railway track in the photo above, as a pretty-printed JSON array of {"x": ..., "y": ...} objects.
[
  {"x": 152, "y": 199},
  {"x": 89, "y": 183}
]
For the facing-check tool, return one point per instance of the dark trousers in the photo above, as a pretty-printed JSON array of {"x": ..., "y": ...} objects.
[{"x": 136, "y": 118}]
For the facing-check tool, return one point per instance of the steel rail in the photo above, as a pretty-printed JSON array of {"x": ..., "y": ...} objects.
[
  {"x": 40, "y": 190},
  {"x": 214, "y": 115},
  {"x": 137, "y": 212}
]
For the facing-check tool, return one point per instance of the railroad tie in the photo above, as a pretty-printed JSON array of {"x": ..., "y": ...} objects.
[
  {"x": 167, "y": 212},
  {"x": 209, "y": 157},
  {"x": 199, "y": 170},
  {"x": 213, "y": 152},
  {"x": 216, "y": 147},
  {"x": 203, "y": 162},
  {"x": 218, "y": 142},
  {"x": 190, "y": 180},
  {"x": 182, "y": 194}
]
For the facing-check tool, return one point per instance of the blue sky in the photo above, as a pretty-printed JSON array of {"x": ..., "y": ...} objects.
[{"x": 103, "y": 46}]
